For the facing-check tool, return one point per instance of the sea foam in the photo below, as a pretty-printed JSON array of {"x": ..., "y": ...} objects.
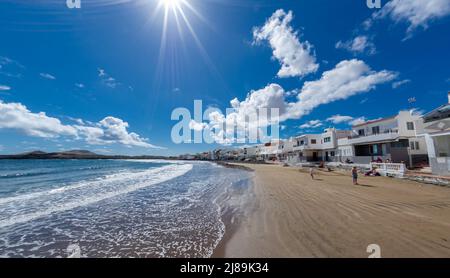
[{"x": 28, "y": 207}]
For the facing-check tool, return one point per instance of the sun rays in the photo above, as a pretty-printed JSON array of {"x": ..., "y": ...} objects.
[{"x": 178, "y": 27}]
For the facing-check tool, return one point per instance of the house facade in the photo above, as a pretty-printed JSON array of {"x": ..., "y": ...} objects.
[
  {"x": 390, "y": 139},
  {"x": 434, "y": 128},
  {"x": 314, "y": 147},
  {"x": 270, "y": 151}
]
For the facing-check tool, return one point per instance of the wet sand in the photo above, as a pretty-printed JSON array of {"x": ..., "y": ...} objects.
[{"x": 294, "y": 216}]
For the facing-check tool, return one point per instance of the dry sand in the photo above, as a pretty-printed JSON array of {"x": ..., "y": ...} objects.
[{"x": 294, "y": 216}]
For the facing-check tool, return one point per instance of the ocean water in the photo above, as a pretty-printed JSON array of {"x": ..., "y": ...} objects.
[{"x": 115, "y": 208}]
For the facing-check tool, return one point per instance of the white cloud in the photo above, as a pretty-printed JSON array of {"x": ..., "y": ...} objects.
[
  {"x": 338, "y": 119},
  {"x": 4, "y": 88},
  {"x": 79, "y": 85},
  {"x": 397, "y": 84},
  {"x": 108, "y": 80},
  {"x": 193, "y": 125},
  {"x": 358, "y": 45},
  {"x": 348, "y": 78},
  {"x": 296, "y": 58},
  {"x": 417, "y": 13},
  {"x": 247, "y": 115},
  {"x": 115, "y": 130},
  {"x": 312, "y": 124},
  {"x": 16, "y": 116},
  {"x": 272, "y": 96},
  {"x": 10, "y": 67},
  {"x": 110, "y": 130},
  {"x": 358, "y": 121},
  {"x": 47, "y": 76}
]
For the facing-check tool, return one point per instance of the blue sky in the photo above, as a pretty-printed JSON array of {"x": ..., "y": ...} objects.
[{"x": 108, "y": 80}]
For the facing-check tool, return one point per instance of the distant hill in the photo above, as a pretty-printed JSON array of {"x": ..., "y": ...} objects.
[
  {"x": 80, "y": 152},
  {"x": 73, "y": 154}
]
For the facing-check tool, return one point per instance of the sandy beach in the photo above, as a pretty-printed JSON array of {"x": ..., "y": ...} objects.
[{"x": 294, "y": 216}]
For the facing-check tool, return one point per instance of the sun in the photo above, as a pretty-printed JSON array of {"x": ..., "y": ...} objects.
[
  {"x": 171, "y": 4},
  {"x": 176, "y": 18}
]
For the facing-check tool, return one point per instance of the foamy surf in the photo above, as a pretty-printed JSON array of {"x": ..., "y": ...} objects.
[
  {"x": 114, "y": 208},
  {"x": 108, "y": 187}
]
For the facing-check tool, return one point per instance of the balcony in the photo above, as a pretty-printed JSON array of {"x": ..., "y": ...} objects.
[
  {"x": 389, "y": 135},
  {"x": 301, "y": 147}
]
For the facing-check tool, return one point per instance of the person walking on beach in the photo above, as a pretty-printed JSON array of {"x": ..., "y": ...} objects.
[
  {"x": 311, "y": 172},
  {"x": 355, "y": 175}
]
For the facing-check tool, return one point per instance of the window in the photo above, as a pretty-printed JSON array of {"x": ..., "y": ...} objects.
[
  {"x": 313, "y": 141},
  {"x": 361, "y": 132},
  {"x": 376, "y": 130},
  {"x": 411, "y": 145},
  {"x": 410, "y": 125},
  {"x": 327, "y": 139},
  {"x": 375, "y": 149},
  {"x": 332, "y": 154},
  {"x": 417, "y": 146}
]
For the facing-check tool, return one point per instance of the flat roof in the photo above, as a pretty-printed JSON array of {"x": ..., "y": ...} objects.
[
  {"x": 375, "y": 121},
  {"x": 442, "y": 112}
]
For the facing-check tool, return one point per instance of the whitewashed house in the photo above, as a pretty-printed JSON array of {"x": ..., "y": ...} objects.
[
  {"x": 434, "y": 128},
  {"x": 329, "y": 143},
  {"x": 270, "y": 151},
  {"x": 287, "y": 150},
  {"x": 390, "y": 139},
  {"x": 315, "y": 147},
  {"x": 249, "y": 152}
]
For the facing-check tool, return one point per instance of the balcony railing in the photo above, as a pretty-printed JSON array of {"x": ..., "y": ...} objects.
[
  {"x": 373, "y": 137},
  {"x": 388, "y": 131}
]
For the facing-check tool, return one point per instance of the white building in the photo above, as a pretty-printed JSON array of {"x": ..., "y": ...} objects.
[
  {"x": 250, "y": 152},
  {"x": 287, "y": 149},
  {"x": 392, "y": 139},
  {"x": 270, "y": 151},
  {"x": 434, "y": 128},
  {"x": 315, "y": 147}
]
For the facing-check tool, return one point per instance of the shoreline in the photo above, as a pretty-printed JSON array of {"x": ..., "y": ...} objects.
[
  {"x": 230, "y": 229},
  {"x": 232, "y": 215},
  {"x": 293, "y": 216},
  {"x": 234, "y": 166}
]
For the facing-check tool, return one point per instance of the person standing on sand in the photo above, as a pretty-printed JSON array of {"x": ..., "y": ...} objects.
[
  {"x": 311, "y": 172},
  {"x": 355, "y": 175}
]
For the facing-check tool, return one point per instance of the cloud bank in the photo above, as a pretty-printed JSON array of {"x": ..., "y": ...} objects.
[
  {"x": 110, "y": 130},
  {"x": 295, "y": 57}
]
